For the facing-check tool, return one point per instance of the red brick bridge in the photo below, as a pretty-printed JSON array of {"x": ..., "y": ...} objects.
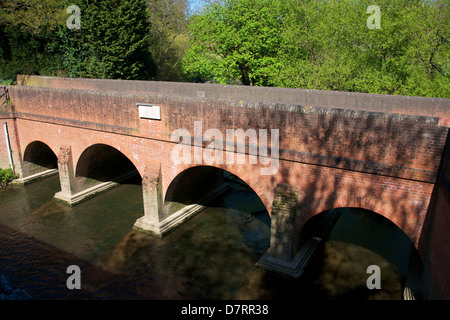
[{"x": 383, "y": 153}]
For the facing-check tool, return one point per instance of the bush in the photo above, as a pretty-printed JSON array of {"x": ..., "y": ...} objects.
[{"x": 6, "y": 176}]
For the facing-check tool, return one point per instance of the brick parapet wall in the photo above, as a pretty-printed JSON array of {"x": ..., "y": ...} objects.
[{"x": 432, "y": 107}]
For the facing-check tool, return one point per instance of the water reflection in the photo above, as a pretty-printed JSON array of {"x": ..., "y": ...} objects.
[{"x": 212, "y": 256}]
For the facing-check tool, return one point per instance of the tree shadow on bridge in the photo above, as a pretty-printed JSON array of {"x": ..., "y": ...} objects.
[{"x": 368, "y": 143}]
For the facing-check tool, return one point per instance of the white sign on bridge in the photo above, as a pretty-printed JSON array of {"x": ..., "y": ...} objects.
[{"x": 149, "y": 111}]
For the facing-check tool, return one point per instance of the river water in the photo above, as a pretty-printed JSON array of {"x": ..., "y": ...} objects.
[{"x": 211, "y": 256}]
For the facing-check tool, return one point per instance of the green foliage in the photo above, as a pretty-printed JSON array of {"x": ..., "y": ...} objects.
[
  {"x": 4, "y": 82},
  {"x": 24, "y": 53},
  {"x": 112, "y": 42},
  {"x": 32, "y": 16},
  {"x": 235, "y": 39},
  {"x": 28, "y": 41},
  {"x": 324, "y": 45},
  {"x": 168, "y": 37},
  {"x": 6, "y": 176},
  {"x": 403, "y": 57},
  {"x": 73, "y": 52}
]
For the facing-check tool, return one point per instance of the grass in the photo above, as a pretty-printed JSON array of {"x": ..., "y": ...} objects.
[{"x": 6, "y": 176}]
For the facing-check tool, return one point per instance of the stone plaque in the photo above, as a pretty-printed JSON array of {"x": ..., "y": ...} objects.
[{"x": 149, "y": 111}]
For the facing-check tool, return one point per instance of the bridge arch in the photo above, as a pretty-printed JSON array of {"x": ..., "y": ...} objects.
[
  {"x": 99, "y": 168},
  {"x": 357, "y": 232},
  {"x": 38, "y": 158},
  {"x": 408, "y": 223},
  {"x": 182, "y": 173},
  {"x": 102, "y": 162},
  {"x": 197, "y": 187}
]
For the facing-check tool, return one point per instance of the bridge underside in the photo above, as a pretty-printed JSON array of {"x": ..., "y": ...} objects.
[
  {"x": 39, "y": 162},
  {"x": 99, "y": 169}
]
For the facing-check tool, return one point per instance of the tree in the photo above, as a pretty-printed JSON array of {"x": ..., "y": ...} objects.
[
  {"x": 168, "y": 36},
  {"x": 407, "y": 56},
  {"x": 32, "y": 15},
  {"x": 114, "y": 40},
  {"x": 324, "y": 45},
  {"x": 235, "y": 39},
  {"x": 28, "y": 40}
]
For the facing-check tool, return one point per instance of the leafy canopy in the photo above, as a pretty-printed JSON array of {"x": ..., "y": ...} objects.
[
  {"x": 113, "y": 40},
  {"x": 235, "y": 39},
  {"x": 324, "y": 45}
]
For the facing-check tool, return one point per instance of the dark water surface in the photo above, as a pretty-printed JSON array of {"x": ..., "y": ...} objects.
[{"x": 211, "y": 256}]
